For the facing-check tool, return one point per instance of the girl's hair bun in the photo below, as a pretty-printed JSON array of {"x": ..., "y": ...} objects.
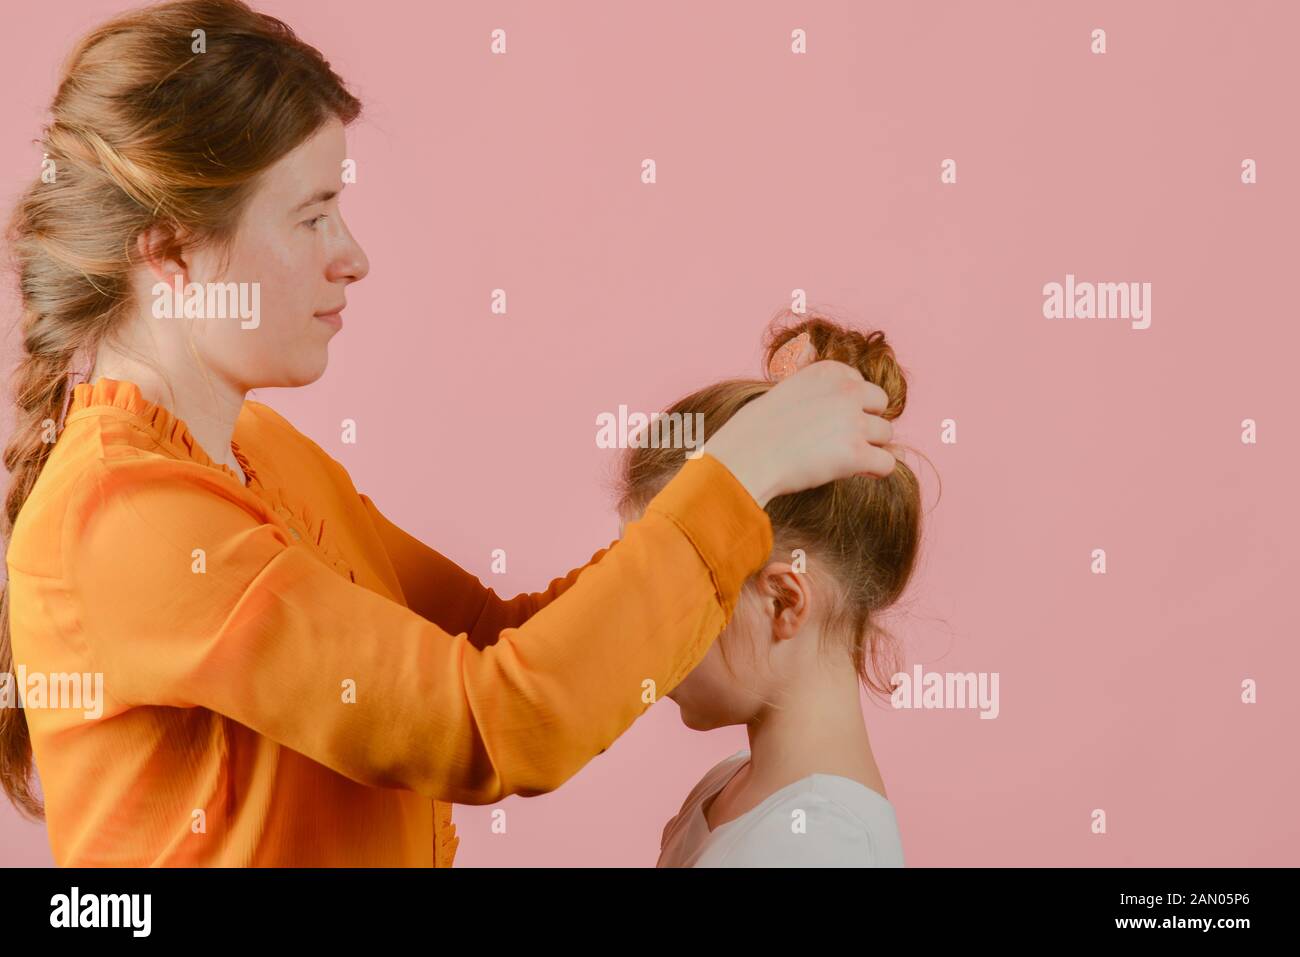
[{"x": 869, "y": 353}]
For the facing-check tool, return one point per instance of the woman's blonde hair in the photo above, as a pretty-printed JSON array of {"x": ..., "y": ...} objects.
[
  {"x": 860, "y": 535},
  {"x": 164, "y": 117}
]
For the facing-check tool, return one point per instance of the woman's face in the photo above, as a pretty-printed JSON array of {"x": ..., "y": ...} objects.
[{"x": 296, "y": 256}]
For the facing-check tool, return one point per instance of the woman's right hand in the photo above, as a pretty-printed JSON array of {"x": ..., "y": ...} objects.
[{"x": 815, "y": 426}]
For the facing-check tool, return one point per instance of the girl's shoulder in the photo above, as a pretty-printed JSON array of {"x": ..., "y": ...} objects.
[
  {"x": 712, "y": 782},
  {"x": 716, "y": 779},
  {"x": 823, "y": 820}
]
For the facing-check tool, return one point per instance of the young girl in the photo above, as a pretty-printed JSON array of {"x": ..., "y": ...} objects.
[{"x": 807, "y": 792}]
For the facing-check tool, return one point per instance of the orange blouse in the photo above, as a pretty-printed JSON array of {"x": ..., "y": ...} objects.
[{"x": 291, "y": 679}]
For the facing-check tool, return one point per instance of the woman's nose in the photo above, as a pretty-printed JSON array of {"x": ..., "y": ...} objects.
[{"x": 350, "y": 263}]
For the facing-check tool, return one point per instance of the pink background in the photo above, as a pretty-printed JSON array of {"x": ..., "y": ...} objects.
[{"x": 821, "y": 172}]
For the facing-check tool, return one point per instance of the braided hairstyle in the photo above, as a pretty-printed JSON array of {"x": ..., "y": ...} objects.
[{"x": 164, "y": 118}]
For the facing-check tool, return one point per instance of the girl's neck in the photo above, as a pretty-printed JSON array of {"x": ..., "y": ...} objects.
[{"x": 815, "y": 727}]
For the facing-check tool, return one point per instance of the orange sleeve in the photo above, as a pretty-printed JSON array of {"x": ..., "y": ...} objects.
[
  {"x": 186, "y": 599},
  {"x": 452, "y": 598}
]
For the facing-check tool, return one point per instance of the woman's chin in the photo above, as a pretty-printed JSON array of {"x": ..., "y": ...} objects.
[{"x": 308, "y": 367}]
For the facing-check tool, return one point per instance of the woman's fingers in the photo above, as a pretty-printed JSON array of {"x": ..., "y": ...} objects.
[
  {"x": 874, "y": 398},
  {"x": 871, "y": 397},
  {"x": 817, "y": 424},
  {"x": 876, "y": 461},
  {"x": 866, "y": 400},
  {"x": 878, "y": 431}
]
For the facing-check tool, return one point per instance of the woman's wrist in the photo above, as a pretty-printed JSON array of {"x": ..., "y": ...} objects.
[{"x": 747, "y": 469}]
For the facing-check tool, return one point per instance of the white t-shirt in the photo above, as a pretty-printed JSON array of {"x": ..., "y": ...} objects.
[{"x": 844, "y": 824}]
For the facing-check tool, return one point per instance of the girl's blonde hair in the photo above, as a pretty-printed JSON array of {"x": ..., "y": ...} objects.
[{"x": 860, "y": 535}]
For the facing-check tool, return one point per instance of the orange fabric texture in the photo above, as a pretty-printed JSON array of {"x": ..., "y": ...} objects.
[{"x": 292, "y": 680}]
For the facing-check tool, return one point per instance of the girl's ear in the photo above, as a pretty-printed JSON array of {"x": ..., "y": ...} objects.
[{"x": 787, "y": 598}]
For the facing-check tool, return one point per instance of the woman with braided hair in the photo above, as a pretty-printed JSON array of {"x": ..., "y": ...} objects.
[{"x": 288, "y": 677}]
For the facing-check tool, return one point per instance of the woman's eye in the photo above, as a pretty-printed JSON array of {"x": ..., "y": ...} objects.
[{"x": 311, "y": 223}]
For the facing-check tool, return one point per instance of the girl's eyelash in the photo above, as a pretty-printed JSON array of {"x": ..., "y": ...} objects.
[{"x": 311, "y": 223}]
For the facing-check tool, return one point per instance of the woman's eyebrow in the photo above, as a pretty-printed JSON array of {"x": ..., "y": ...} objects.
[{"x": 322, "y": 196}]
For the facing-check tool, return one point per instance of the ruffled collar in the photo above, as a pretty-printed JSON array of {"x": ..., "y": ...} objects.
[
  {"x": 304, "y": 521},
  {"x": 306, "y": 524},
  {"x": 167, "y": 428}
]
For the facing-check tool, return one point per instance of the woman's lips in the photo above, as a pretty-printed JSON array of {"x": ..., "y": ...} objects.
[{"x": 334, "y": 318}]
